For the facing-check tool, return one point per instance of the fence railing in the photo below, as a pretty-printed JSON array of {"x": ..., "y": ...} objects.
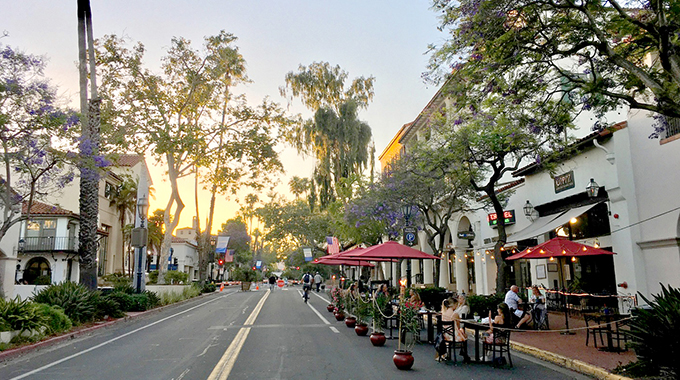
[
  {"x": 49, "y": 243},
  {"x": 672, "y": 126}
]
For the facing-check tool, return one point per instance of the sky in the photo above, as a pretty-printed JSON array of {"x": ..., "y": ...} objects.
[{"x": 385, "y": 39}]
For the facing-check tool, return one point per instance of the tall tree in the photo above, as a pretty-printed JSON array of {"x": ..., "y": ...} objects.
[
  {"x": 173, "y": 115},
  {"x": 89, "y": 149},
  {"x": 298, "y": 186},
  {"x": 124, "y": 200},
  {"x": 337, "y": 139},
  {"x": 604, "y": 53}
]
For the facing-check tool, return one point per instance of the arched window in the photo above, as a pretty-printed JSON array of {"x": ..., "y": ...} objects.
[{"x": 38, "y": 272}]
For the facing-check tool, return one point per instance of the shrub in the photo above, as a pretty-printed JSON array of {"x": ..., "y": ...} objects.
[
  {"x": 208, "y": 287},
  {"x": 432, "y": 296},
  {"x": 153, "y": 299},
  {"x": 655, "y": 334},
  {"x": 124, "y": 288},
  {"x": 176, "y": 277},
  {"x": 21, "y": 315},
  {"x": 42, "y": 280},
  {"x": 153, "y": 277},
  {"x": 482, "y": 304},
  {"x": 107, "y": 306},
  {"x": 245, "y": 274},
  {"x": 56, "y": 319},
  {"x": 117, "y": 279},
  {"x": 123, "y": 300},
  {"x": 79, "y": 302}
]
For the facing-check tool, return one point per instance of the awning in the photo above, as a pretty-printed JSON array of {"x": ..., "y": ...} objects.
[{"x": 548, "y": 223}]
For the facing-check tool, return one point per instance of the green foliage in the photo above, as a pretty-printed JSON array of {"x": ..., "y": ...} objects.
[
  {"x": 208, "y": 287},
  {"x": 339, "y": 298},
  {"x": 153, "y": 277},
  {"x": 362, "y": 309},
  {"x": 22, "y": 315},
  {"x": 56, "y": 319},
  {"x": 42, "y": 280},
  {"x": 154, "y": 300},
  {"x": 482, "y": 304},
  {"x": 176, "y": 277},
  {"x": 173, "y": 297},
  {"x": 109, "y": 307},
  {"x": 79, "y": 302},
  {"x": 432, "y": 296},
  {"x": 244, "y": 274},
  {"x": 655, "y": 333},
  {"x": 117, "y": 279},
  {"x": 379, "y": 306}
]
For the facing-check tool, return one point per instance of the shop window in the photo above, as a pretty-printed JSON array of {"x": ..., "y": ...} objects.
[
  {"x": 592, "y": 224},
  {"x": 38, "y": 272}
]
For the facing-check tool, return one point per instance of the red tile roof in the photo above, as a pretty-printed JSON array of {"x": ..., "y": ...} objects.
[
  {"x": 129, "y": 160},
  {"x": 505, "y": 187},
  {"x": 40, "y": 208}
]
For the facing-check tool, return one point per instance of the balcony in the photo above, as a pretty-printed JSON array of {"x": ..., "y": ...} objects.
[
  {"x": 48, "y": 244},
  {"x": 672, "y": 127}
]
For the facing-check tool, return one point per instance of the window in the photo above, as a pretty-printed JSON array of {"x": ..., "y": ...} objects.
[
  {"x": 109, "y": 190},
  {"x": 672, "y": 127}
]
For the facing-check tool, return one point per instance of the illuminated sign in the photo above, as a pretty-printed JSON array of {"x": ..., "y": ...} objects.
[
  {"x": 564, "y": 181},
  {"x": 508, "y": 217}
]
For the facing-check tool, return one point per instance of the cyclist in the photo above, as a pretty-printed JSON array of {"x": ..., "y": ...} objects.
[{"x": 307, "y": 281}]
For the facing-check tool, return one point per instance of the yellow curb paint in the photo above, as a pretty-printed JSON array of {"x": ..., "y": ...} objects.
[
  {"x": 226, "y": 363},
  {"x": 573, "y": 364}
]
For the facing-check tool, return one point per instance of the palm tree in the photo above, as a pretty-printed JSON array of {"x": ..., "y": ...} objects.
[
  {"x": 156, "y": 232},
  {"x": 124, "y": 200}
]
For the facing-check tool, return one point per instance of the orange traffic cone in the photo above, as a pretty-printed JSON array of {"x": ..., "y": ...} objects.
[
  {"x": 257, "y": 287},
  {"x": 222, "y": 287}
]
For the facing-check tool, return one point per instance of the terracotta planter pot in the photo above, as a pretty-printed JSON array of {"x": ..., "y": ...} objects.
[
  {"x": 330, "y": 308},
  {"x": 339, "y": 316},
  {"x": 350, "y": 321},
  {"x": 378, "y": 339},
  {"x": 361, "y": 329},
  {"x": 403, "y": 359}
]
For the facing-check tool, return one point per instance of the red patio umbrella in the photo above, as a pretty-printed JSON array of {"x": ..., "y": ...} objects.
[
  {"x": 560, "y": 247},
  {"x": 390, "y": 250},
  {"x": 344, "y": 262},
  {"x": 557, "y": 247}
]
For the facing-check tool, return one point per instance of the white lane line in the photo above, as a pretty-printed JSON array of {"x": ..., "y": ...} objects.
[
  {"x": 113, "y": 340},
  {"x": 226, "y": 363},
  {"x": 318, "y": 314},
  {"x": 334, "y": 330}
]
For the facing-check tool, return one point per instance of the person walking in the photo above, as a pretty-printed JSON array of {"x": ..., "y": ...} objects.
[
  {"x": 272, "y": 282},
  {"x": 318, "y": 280}
]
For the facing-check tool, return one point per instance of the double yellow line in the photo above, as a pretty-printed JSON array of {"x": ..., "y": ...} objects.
[{"x": 226, "y": 363}]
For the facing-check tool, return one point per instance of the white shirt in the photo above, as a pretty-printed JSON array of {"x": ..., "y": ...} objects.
[
  {"x": 512, "y": 300},
  {"x": 318, "y": 279}
]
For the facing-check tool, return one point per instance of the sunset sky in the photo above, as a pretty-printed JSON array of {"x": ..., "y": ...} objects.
[{"x": 386, "y": 39}]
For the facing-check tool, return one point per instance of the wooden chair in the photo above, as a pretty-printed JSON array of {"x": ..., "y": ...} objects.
[
  {"x": 500, "y": 346},
  {"x": 621, "y": 331},
  {"x": 594, "y": 328},
  {"x": 448, "y": 328}
]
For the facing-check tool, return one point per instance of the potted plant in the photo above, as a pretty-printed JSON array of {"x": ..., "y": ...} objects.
[
  {"x": 361, "y": 311},
  {"x": 246, "y": 275},
  {"x": 409, "y": 326},
  {"x": 376, "y": 310},
  {"x": 339, "y": 302},
  {"x": 350, "y": 306},
  {"x": 330, "y": 307}
]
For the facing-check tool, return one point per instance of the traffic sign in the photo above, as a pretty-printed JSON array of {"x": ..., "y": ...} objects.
[{"x": 410, "y": 236}]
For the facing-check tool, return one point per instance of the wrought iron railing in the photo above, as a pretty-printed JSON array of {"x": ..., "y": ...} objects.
[
  {"x": 48, "y": 243},
  {"x": 672, "y": 126}
]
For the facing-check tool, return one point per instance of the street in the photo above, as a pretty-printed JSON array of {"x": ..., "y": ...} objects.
[{"x": 246, "y": 335}]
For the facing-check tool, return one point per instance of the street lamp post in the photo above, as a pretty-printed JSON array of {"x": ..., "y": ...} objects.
[
  {"x": 139, "y": 241},
  {"x": 406, "y": 211}
]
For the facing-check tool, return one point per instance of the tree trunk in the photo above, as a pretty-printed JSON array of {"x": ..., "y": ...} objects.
[
  {"x": 89, "y": 200},
  {"x": 170, "y": 226}
]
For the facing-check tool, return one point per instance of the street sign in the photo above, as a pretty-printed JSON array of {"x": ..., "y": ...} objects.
[
  {"x": 469, "y": 235},
  {"x": 410, "y": 236}
]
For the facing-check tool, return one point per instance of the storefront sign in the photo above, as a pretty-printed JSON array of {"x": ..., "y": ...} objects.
[
  {"x": 508, "y": 217},
  {"x": 469, "y": 235},
  {"x": 564, "y": 181}
]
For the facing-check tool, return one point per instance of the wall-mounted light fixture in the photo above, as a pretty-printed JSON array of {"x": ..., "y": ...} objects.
[{"x": 592, "y": 189}]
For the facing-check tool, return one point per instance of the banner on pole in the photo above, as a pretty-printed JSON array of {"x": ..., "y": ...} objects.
[
  {"x": 222, "y": 242},
  {"x": 308, "y": 253}
]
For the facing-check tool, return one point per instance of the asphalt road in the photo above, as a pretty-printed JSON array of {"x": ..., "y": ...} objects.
[{"x": 246, "y": 335}]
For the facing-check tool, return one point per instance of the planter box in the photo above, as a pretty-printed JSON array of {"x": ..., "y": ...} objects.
[{"x": 245, "y": 286}]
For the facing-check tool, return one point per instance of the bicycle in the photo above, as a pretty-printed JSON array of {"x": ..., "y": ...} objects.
[{"x": 305, "y": 292}]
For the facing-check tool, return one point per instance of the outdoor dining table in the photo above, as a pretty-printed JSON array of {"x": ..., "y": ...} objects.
[
  {"x": 430, "y": 325},
  {"x": 477, "y": 326}
]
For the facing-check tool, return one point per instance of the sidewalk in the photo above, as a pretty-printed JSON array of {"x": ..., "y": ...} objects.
[{"x": 570, "y": 350}]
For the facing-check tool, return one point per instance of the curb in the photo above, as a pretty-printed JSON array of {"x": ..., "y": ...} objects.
[
  {"x": 563, "y": 361},
  {"x": 14, "y": 352}
]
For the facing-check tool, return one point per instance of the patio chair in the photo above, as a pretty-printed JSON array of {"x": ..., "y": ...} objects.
[
  {"x": 594, "y": 328},
  {"x": 620, "y": 333},
  {"x": 448, "y": 328},
  {"x": 500, "y": 346}
]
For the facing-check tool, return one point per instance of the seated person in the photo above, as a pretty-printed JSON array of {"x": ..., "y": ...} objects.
[
  {"x": 414, "y": 298},
  {"x": 448, "y": 315},
  {"x": 538, "y": 300},
  {"x": 462, "y": 308},
  {"x": 512, "y": 300},
  {"x": 502, "y": 319}
]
